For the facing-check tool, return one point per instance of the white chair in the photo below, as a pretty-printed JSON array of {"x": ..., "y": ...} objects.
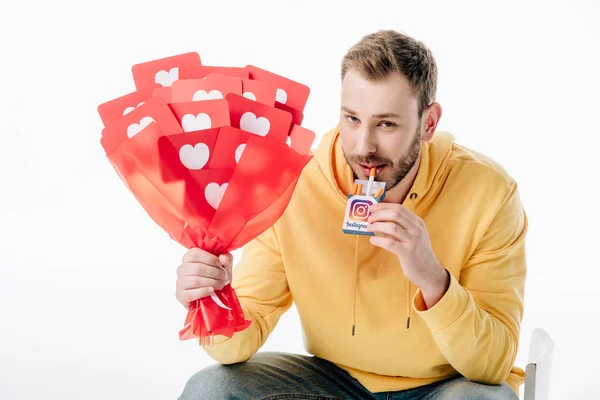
[{"x": 537, "y": 372}]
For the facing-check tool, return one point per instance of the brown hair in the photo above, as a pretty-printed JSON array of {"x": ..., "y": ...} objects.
[{"x": 383, "y": 52}]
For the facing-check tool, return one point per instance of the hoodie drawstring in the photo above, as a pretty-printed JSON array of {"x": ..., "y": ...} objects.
[
  {"x": 354, "y": 286},
  {"x": 409, "y": 309}
]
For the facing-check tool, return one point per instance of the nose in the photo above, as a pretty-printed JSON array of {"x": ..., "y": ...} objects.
[{"x": 365, "y": 142}]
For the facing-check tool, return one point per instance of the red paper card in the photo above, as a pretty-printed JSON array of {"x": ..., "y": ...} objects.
[
  {"x": 199, "y": 115},
  {"x": 224, "y": 83},
  {"x": 183, "y": 90},
  {"x": 289, "y": 92},
  {"x": 213, "y": 183},
  {"x": 297, "y": 116},
  {"x": 164, "y": 92},
  {"x": 154, "y": 110},
  {"x": 238, "y": 72},
  {"x": 228, "y": 148},
  {"x": 201, "y": 196},
  {"x": 259, "y": 91},
  {"x": 115, "y": 109},
  {"x": 194, "y": 150},
  {"x": 301, "y": 139},
  {"x": 213, "y": 87},
  {"x": 257, "y": 118},
  {"x": 167, "y": 70},
  {"x": 185, "y": 157}
]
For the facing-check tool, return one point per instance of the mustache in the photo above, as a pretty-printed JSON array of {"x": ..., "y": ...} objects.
[{"x": 374, "y": 159}]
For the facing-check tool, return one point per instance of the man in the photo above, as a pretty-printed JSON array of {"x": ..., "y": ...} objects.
[{"x": 430, "y": 307}]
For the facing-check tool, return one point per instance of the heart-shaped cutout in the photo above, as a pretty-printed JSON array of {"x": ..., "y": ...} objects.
[
  {"x": 281, "y": 96},
  {"x": 202, "y": 95},
  {"x": 194, "y": 157},
  {"x": 239, "y": 151},
  {"x": 131, "y": 108},
  {"x": 259, "y": 126},
  {"x": 249, "y": 95},
  {"x": 134, "y": 128},
  {"x": 191, "y": 122},
  {"x": 165, "y": 78},
  {"x": 214, "y": 194}
]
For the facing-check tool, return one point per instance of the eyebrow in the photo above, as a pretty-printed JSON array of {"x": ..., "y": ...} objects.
[{"x": 377, "y": 116}]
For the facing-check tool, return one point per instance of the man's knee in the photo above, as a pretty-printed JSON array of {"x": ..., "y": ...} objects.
[
  {"x": 214, "y": 382},
  {"x": 464, "y": 389}
]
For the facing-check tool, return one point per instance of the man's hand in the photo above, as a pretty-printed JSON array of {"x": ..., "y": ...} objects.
[
  {"x": 404, "y": 234},
  {"x": 200, "y": 274}
]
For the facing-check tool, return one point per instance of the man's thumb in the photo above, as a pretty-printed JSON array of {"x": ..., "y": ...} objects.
[{"x": 227, "y": 262}]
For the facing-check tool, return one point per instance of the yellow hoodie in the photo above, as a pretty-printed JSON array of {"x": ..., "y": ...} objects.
[{"x": 477, "y": 228}]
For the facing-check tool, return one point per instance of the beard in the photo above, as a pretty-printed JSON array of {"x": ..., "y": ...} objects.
[{"x": 399, "y": 168}]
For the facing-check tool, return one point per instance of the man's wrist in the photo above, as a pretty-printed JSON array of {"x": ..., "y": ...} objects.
[{"x": 433, "y": 293}]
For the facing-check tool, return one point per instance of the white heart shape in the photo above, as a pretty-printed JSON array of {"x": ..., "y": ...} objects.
[
  {"x": 214, "y": 194},
  {"x": 239, "y": 151},
  {"x": 191, "y": 122},
  {"x": 134, "y": 128},
  {"x": 281, "y": 96},
  {"x": 165, "y": 78},
  {"x": 288, "y": 141},
  {"x": 250, "y": 123},
  {"x": 202, "y": 95},
  {"x": 249, "y": 95},
  {"x": 131, "y": 108},
  {"x": 194, "y": 157}
]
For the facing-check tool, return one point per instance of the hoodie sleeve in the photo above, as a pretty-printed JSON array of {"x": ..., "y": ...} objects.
[
  {"x": 476, "y": 324},
  {"x": 261, "y": 286}
]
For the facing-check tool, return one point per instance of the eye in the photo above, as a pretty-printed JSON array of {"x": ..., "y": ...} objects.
[
  {"x": 352, "y": 119},
  {"x": 388, "y": 124}
]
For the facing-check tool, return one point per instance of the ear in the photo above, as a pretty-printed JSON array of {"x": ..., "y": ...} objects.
[{"x": 430, "y": 119}]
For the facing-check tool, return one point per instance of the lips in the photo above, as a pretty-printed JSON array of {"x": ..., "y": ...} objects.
[{"x": 367, "y": 168}]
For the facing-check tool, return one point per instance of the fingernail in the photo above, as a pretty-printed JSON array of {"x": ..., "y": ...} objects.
[{"x": 211, "y": 290}]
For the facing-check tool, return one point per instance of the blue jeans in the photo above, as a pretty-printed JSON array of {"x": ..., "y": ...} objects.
[{"x": 273, "y": 376}]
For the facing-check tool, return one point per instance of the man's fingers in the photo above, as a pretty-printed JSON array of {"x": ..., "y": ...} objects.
[
  {"x": 385, "y": 243},
  {"x": 197, "y": 269},
  {"x": 226, "y": 259},
  {"x": 200, "y": 256},
  {"x": 187, "y": 296},
  {"x": 389, "y": 230},
  {"x": 397, "y": 207},
  {"x": 393, "y": 215},
  {"x": 196, "y": 282}
]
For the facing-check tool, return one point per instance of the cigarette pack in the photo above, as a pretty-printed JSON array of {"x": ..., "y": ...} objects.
[{"x": 357, "y": 209}]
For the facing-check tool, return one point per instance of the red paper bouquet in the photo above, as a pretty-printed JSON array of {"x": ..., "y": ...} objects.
[{"x": 213, "y": 155}]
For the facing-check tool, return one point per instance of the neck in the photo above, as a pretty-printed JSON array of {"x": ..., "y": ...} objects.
[{"x": 399, "y": 192}]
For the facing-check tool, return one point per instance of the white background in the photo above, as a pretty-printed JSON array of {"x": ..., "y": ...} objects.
[{"x": 87, "y": 306}]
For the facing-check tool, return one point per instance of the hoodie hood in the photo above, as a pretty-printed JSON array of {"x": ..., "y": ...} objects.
[{"x": 432, "y": 169}]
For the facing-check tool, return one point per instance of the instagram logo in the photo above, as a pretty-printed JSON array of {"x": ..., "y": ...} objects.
[{"x": 359, "y": 209}]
